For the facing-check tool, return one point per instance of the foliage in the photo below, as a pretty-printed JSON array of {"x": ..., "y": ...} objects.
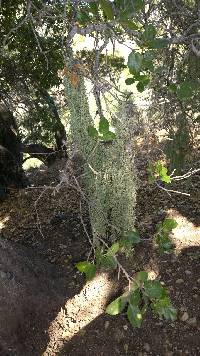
[
  {"x": 104, "y": 134},
  {"x": 162, "y": 237},
  {"x": 106, "y": 257},
  {"x": 158, "y": 170},
  {"x": 143, "y": 293}
]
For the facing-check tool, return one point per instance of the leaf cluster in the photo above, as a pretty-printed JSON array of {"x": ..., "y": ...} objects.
[
  {"x": 103, "y": 133},
  {"x": 144, "y": 293},
  {"x": 162, "y": 237}
]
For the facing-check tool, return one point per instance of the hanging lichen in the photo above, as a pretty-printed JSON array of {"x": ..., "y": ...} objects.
[{"x": 109, "y": 176}]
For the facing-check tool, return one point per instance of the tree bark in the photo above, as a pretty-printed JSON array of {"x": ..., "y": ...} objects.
[
  {"x": 11, "y": 158},
  {"x": 59, "y": 129}
]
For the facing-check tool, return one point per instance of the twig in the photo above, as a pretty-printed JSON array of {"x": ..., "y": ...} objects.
[
  {"x": 184, "y": 176},
  {"x": 168, "y": 191}
]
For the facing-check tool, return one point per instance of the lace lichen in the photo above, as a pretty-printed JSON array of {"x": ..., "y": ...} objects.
[{"x": 109, "y": 175}]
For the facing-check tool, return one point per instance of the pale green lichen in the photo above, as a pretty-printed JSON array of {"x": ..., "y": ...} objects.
[{"x": 109, "y": 174}]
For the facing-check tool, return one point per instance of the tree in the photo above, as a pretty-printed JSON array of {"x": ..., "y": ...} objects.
[{"x": 27, "y": 75}]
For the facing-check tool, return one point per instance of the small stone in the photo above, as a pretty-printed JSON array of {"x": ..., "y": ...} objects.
[
  {"x": 125, "y": 327},
  {"x": 183, "y": 309},
  {"x": 179, "y": 281},
  {"x": 126, "y": 348},
  {"x": 187, "y": 272},
  {"x": 106, "y": 325},
  {"x": 198, "y": 280},
  {"x": 147, "y": 347},
  {"x": 3, "y": 274},
  {"x": 192, "y": 321},
  {"x": 184, "y": 317}
]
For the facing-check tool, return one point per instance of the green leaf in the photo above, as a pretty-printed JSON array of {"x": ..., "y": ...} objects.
[
  {"x": 162, "y": 172},
  {"x": 113, "y": 249},
  {"x": 130, "y": 24},
  {"x": 172, "y": 87},
  {"x": 88, "y": 268},
  {"x": 94, "y": 8},
  {"x": 107, "y": 9},
  {"x": 108, "y": 136},
  {"x": 164, "y": 176},
  {"x": 149, "y": 32},
  {"x": 142, "y": 276},
  {"x": 165, "y": 244},
  {"x": 134, "y": 315},
  {"x": 135, "y": 298},
  {"x": 92, "y": 131},
  {"x": 138, "y": 4},
  {"x": 153, "y": 289},
  {"x": 129, "y": 81},
  {"x": 108, "y": 261},
  {"x": 83, "y": 17},
  {"x": 144, "y": 79},
  {"x": 163, "y": 307},
  {"x": 158, "y": 43},
  {"x": 117, "y": 306},
  {"x": 140, "y": 87},
  {"x": 169, "y": 224},
  {"x": 133, "y": 237},
  {"x": 103, "y": 125},
  {"x": 135, "y": 61},
  {"x": 185, "y": 91}
]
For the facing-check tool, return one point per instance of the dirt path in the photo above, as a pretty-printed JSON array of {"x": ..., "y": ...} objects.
[{"x": 46, "y": 225}]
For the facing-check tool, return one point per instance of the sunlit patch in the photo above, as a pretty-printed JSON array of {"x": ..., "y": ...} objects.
[
  {"x": 186, "y": 233},
  {"x": 79, "y": 312},
  {"x": 3, "y": 222},
  {"x": 31, "y": 163},
  {"x": 153, "y": 274}
]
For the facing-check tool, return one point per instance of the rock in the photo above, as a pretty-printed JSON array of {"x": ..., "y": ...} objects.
[
  {"x": 179, "y": 281},
  {"x": 125, "y": 327},
  {"x": 147, "y": 347},
  {"x": 187, "y": 272},
  {"x": 3, "y": 274},
  {"x": 192, "y": 321},
  {"x": 184, "y": 317}
]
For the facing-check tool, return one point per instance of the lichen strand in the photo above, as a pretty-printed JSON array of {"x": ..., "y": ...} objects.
[
  {"x": 115, "y": 191},
  {"x": 109, "y": 175},
  {"x": 80, "y": 117}
]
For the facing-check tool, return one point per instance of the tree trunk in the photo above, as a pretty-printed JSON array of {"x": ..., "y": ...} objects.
[
  {"x": 11, "y": 172},
  {"x": 59, "y": 129}
]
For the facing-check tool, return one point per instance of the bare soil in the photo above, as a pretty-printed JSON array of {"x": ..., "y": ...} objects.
[{"x": 46, "y": 308}]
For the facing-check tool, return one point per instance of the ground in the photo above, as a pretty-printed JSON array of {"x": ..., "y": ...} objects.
[{"x": 54, "y": 311}]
